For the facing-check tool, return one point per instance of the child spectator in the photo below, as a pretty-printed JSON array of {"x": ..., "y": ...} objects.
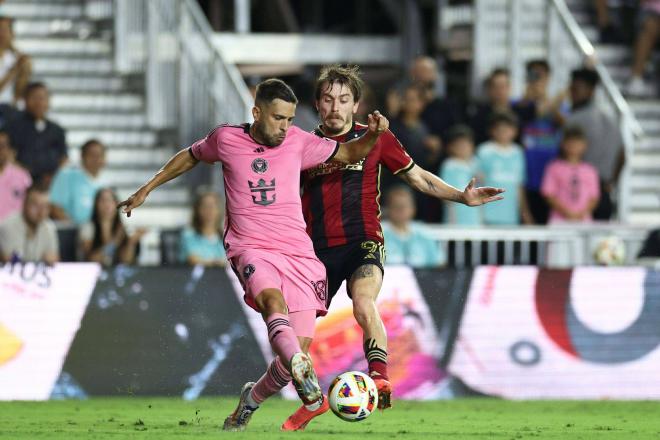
[
  {"x": 202, "y": 244},
  {"x": 73, "y": 189},
  {"x": 570, "y": 185},
  {"x": 104, "y": 239},
  {"x": 406, "y": 242},
  {"x": 457, "y": 170},
  {"x": 14, "y": 180},
  {"x": 503, "y": 164}
]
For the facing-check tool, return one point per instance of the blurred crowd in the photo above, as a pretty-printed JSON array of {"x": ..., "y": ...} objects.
[{"x": 558, "y": 157}]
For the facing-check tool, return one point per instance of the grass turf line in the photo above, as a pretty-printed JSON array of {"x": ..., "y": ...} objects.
[{"x": 172, "y": 418}]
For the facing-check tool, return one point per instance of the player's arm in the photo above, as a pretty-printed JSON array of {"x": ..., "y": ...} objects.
[
  {"x": 430, "y": 184},
  {"x": 178, "y": 164},
  {"x": 357, "y": 149}
]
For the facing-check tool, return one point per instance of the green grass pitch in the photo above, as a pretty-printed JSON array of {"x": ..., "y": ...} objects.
[{"x": 163, "y": 418}]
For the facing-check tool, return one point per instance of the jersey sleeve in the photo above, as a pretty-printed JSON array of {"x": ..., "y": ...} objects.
[
  {"x": 316, "y": 150},
  {"x": 207, "y": 149},
  {"x": 393, "y": 155}
]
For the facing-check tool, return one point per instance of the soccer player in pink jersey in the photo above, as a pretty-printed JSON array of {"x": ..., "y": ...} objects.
[{"x": 265, "y": 236}]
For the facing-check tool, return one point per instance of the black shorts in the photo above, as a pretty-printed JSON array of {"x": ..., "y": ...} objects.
[{"x": 342, "y": 261}]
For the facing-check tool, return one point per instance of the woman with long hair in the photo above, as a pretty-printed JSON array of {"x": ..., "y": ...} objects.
[
  {"x": 104, "y": 239},
  {"x": 202, "y": 243}
]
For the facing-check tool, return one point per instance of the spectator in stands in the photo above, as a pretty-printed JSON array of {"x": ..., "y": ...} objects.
[
  {"x": 498, "y": 94},
  {"x": 423, "y": 147},
  {"x": 650, "y": 252},
  {"x": 30, "y": 235},
  {"x": 604, "y": 142},
  {"x": 14, "y": 180},
  {"x": 15, "y": 69},
  {"x": 408, "y": 242},
  {"x": 202, "y": 244},
  {"x": 502, "y": 162},
  {"x": 541, "y": 134},
  {"x": 104, "y": 239},
  {"x": 570, "y": 185},
  {"x": 648, "y": 36},
  {"x": 440, "y": 114},
  {"x": 40, "y": 142},
  {"x": 457, "y": 170},
  {"x": 73, "y": 189}
]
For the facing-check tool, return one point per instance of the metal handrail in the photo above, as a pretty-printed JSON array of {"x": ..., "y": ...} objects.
[{"x": 589, "y": 51}]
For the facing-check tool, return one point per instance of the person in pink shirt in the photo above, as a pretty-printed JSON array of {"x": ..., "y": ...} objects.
[
  {"x": 265, "y": 234},
  {"x": 14, "y": 180},
  {"x": 570, "y": 185}
]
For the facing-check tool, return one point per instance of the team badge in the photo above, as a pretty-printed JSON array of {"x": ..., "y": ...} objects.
[
  {"x": 320, "y": 288},
  {"x": 259, "y": 165},
  {"x": 248, "y": 271}
]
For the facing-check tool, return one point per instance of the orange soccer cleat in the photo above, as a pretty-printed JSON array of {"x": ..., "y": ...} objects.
[
  {"x": 384, "y": 392},
  {"x": 298, "y": 420}
]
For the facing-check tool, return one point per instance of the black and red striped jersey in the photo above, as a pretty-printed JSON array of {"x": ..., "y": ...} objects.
[{"x": 341, "y": 203}]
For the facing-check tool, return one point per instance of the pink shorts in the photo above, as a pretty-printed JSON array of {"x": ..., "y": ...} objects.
[{"x": 301, "y": 280}]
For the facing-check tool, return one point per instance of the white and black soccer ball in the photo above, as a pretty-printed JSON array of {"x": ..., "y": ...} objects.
[
  {"x": 610, "y": 251},
  {"x": 353, "y": 396}
]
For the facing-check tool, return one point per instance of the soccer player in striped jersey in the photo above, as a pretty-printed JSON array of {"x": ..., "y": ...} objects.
[{"x": 342, "y": 211}]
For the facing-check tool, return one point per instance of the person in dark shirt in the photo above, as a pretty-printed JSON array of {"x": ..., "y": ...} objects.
[
  {"x": 498, "y": 95},
  {"x": 40, "y": 143}
]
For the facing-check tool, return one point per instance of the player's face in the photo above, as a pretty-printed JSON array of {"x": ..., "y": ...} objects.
[
  {"x": 336, "y": 108},
  {"x": 272, "y": 121}
]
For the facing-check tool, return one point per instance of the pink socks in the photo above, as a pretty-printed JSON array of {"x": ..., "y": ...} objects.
[
  {"x": 282, "y": 338},
  {"x": 275, "y": 378}
]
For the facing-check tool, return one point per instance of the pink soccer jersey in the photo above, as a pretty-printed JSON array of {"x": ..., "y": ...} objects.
[{"x": 262, "y": 186}]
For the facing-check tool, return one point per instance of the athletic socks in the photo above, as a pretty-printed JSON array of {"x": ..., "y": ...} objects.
[
  {"x": 377, "y": 359},
  {"x": 282, "y": 338},
  {"x": 276, "y": 377}
]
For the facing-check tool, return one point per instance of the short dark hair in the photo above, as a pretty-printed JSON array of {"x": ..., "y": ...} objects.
[
  {"x": 573, "y": 132},
  {"x": 458, "y": 132},
  {"x": 498, "y": 71},
  {"x": 36, "y": 188},
  {"x": 345, "y": 75},
  {"x": 537, "y": 63},
  {"x": 31, "y": 87},
  {"x": 272, "y": 89},
  {"x": 586, "y": 75},
  {"x": 87, "y": 145},
  {"x": 503, "y": 117}
]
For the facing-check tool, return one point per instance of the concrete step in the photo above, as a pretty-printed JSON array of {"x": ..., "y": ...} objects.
[
  {"x": 644, "y": 108},
  {"x": 643, "y": 181},
  {"x": 651, "y": 126},
  {"x": 113, "y": 138},
  {"x": 614, "y": 54},
  {"x": 44, "y": 66},
  {"x": 649, "y": 218},
  {"x": 646, "y": 160},
  {"x": 96, "y": 102},
  {"x": 47, "y": 9},
  {"x": 67, "y": 83},
  {"x": 116, "y": 157},
  {"x": 99, "y": 120},
  {"x": 48, "y": 27},
  {"x": 647, "y": 145},
  {"x": 645, "y": 201},
  {"x": 64, "y": 47}
]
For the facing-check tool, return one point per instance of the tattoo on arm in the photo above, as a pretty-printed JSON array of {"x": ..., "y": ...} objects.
[{"x": 431, "y": 185}]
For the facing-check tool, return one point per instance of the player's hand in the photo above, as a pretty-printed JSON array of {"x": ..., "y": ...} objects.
[
  {"x": 475, "y": 196},
  {"x": 133, "y": 202},
  {"x": 377, "y": 123}
]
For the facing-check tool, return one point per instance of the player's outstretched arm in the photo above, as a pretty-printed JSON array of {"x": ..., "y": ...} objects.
[
  {"x": 178, "y": 164},
  {"x": 432, "y": 185},
  {"x": 357, "y": 149}
]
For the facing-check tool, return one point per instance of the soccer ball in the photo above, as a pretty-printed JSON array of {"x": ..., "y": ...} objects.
[
  {"x": 610, "y": 251},
  {"x": 353, "y": 396}
]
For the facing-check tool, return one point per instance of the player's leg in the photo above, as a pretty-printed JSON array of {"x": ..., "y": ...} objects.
[
  {"x": 304, "y": 323},
  {"x": 363, "y": 286}
]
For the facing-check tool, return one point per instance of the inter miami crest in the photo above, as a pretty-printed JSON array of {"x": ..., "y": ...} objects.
[
  {"x": 248, "y": 271},
  {"x": 259, "y": 165},
  {"x": 320, "y": 288}
]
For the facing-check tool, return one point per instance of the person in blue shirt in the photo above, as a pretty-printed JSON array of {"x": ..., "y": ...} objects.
[
  {"x": 408, "y": 242},
  {"x": 202, "y": 242},
  {"x": 74, "y": 188},
  {"x": 502, "y": 162},
  {"x": 457, "y": 170}
]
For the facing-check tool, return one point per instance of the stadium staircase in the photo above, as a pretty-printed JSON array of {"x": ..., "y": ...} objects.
[
  {"x": 73, "y": 54},
  {"x": 645, "y": 160}
]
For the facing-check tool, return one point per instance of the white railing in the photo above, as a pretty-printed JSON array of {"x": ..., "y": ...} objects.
[{"x": 188, "y": 85}]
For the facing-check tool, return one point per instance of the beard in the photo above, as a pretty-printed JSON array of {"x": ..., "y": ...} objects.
[{"x": 265, "y": 138}]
